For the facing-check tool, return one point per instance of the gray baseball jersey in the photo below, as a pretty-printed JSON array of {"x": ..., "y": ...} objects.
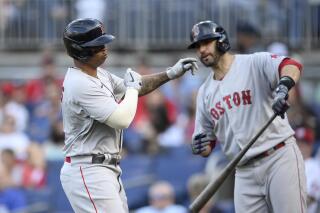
[
  {"x": 237, "y": 106},
  {"x": 87, "y": 102}
]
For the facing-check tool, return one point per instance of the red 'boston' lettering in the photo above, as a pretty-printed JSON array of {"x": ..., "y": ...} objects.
[
  {"x": 219, "y": 107},
  {"x": 227, "y": 100},
  {"x": 236, "y": 98},
  {"x": 246, "y": 97},
  {"x": 214, "y": 114}
]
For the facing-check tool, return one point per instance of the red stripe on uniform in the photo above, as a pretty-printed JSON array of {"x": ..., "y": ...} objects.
[
  {"x": 299, "y": 180},
  {"x": 94, "y": 206}
]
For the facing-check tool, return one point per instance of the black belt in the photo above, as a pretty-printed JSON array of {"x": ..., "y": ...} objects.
[
  {"x": 95, "y": 159},
  {"x": 100, "y": 158}
]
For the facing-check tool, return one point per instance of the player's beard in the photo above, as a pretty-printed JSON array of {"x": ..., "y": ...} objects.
[{"x": 213, "y": 59}]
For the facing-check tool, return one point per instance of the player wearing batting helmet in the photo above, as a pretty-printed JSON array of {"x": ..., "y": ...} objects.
[
  {"x": 94, "y": 117},
  {"x": 240, "y": 95}
]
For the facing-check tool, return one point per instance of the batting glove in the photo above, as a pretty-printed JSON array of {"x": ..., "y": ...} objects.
[
  {"x": 132, "y": 79},
  {"x": 181, "y": 67},
  {"x": 201, "y": 140},
  {"x": 280, "y": 104}
]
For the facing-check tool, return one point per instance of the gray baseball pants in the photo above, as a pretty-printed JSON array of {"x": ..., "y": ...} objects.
[
  {"x": 275, "y": 183},
  {"x": 93, "y": 188}
]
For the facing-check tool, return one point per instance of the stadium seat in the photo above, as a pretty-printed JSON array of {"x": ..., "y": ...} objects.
[
  {"x": 38, "y": 200},
  {"x": 58, "y": 200},
  {"x": 137, "y": 176},
  {"x": 176, "y": 165}
]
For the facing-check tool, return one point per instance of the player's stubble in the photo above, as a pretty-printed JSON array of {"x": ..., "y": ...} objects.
[{"x": 212, "y": 59}]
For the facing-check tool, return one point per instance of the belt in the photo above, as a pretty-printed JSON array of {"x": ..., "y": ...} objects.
[
  {"x": 110, "y": 159},
  {"x": 267, "y": 153}
]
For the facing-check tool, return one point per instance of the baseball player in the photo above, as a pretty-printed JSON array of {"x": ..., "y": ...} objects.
[
  {"x": 96, "y": 106},
  {"x": 234, "y": 102}
]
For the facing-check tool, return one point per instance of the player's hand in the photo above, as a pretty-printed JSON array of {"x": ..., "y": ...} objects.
[
  {"x": 132, "y": 79},
  {"x": 203, "y": 144},
  {"x": 280, "y": 104},
  {"x": 181, "y": 67}
]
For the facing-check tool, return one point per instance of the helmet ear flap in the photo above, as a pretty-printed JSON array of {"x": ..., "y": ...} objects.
[
  {"x": 76, "y": 46},
  {"x": 223, "y": 44},
  {"x": 222, "y": 38},
  {"x": 77, "y": 51}
]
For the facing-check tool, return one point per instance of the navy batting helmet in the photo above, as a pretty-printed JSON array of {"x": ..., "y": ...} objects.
[
  {"x": 208, "y": 30},
  {"x": 84, "y": 37}
]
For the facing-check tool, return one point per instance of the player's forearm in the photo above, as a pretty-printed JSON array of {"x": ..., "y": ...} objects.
[
  {"x": 152, "y": 82},
  {"x": 292, "y": 71},
  {"x": 122, "y": 117}
]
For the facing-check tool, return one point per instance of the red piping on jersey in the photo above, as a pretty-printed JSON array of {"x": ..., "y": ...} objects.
[
  {"x": 301, "y": 201},
  {"x": 94, "y": 206},
  {"x": 289, "y": 61}
]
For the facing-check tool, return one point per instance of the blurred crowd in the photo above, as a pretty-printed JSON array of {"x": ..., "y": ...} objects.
[
  {"x": 31, "y": 132},
  {"x": 38, "y": 21}
]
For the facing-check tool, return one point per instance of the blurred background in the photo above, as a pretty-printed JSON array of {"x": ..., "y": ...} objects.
[{"x": 151, "y": 35}]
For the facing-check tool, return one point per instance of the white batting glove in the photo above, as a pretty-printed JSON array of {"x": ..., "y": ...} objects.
[
  {"x": 181, "y": 67},
  {"x": 132, "y": 79}
]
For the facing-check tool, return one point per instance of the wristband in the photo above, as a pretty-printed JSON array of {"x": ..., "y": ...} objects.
[
  {"x": 287, "y": 81},
  {"x": 170, "y": 74}
]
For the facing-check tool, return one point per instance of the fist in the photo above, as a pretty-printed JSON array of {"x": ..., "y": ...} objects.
[
  {"x": 280, "y": 104},
  {"x": 203, "y": 144},
  {"x": 132, "y": 79}
]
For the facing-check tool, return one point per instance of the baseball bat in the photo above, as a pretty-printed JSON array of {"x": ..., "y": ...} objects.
[{"x": 214, "y": 185}]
